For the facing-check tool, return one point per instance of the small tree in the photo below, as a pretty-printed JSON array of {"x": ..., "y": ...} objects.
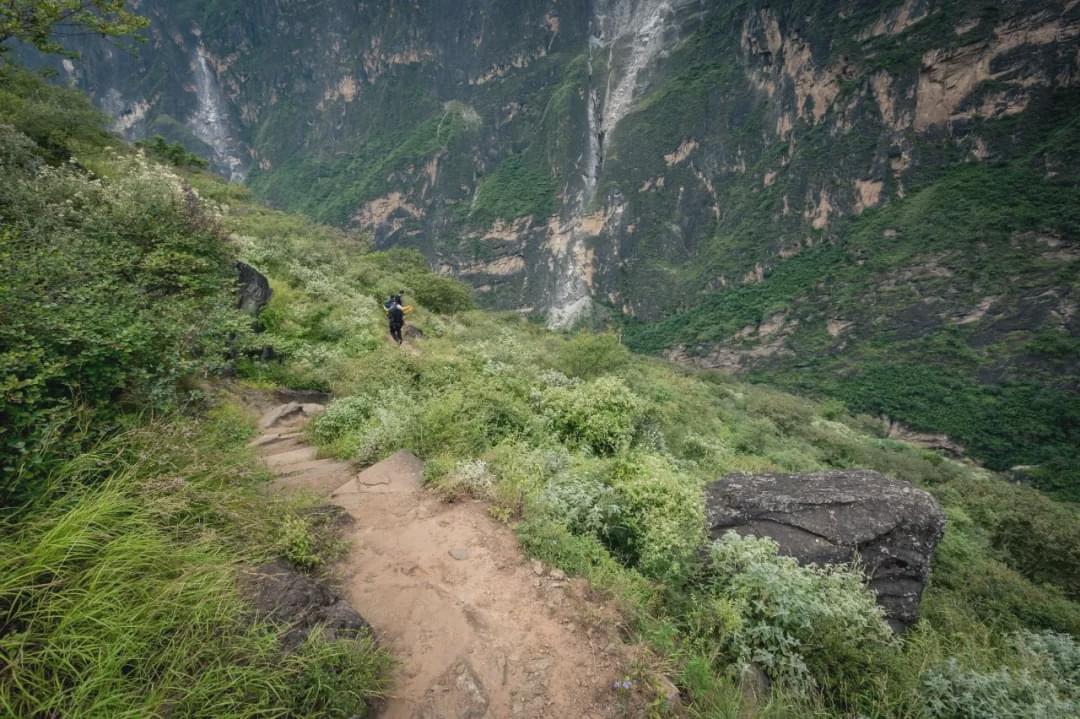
[{"x": 42, "y": 22}]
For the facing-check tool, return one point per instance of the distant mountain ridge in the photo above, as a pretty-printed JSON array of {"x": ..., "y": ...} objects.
[{"x": 872, "y": 199}]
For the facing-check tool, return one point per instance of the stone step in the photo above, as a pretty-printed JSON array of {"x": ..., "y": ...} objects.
[
  {"x": 271, "y": 438},
  {"x": 304, "y": 453},
  {"x": 322, "y": 479},
  {"x": 287, "y": 445},
  {"x": 400, "y": 473},
  {"x": 290, "y": 414}
]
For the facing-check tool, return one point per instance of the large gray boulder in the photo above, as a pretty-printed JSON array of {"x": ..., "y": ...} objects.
[
  {"x": 835, "y": 516},
  {"x": 253, "y": 289}
]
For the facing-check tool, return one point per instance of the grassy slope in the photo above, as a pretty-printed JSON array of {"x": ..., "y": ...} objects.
[
  {"x": 599, "y": 455},
  {"x": 131, "y": 504},
  {"x": 596, "y": 455}
]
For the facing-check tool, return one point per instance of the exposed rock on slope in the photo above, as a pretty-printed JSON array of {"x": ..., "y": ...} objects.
[
  {"x": 833, "y": 517},
  {"x": 253, "y": 291},
  {"x": 284, "y": 595},
  {"x": 510, "y": 125}
]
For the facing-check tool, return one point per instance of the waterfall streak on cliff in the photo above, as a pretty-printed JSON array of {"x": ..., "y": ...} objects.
[
  {"x": 627, "y": 36},
  {"x": 210, "y": 122}
]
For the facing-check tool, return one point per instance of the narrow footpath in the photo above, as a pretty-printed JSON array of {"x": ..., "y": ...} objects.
[{"x": 478, "y": 629}]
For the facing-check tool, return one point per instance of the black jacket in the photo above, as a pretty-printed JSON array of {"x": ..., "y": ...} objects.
[{"x": 396, "y": 316}]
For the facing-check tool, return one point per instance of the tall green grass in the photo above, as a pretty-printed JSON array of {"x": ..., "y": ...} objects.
[{"x": 120, "y": 592}]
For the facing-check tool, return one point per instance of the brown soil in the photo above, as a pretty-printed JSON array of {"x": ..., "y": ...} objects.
[{"x": 479, "y": 630}]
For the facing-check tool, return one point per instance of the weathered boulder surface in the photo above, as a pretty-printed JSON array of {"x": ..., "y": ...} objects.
[
  {"x": 835, "y": 516},
  {"x": 253, "y": 289},
  {"x": 283, "y": 594}
]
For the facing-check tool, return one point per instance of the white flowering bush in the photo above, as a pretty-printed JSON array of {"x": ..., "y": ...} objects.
[
  {"x": 950, "y": 692},
  {"x": 555, "y": 378},
  {"x": 386, "y": 429},
  {"x": 472, "y": 477},
  {"x": 584, "y": 504},
  {"x": 1047, "y": 686},
  {"x": 804, "y": 625}
]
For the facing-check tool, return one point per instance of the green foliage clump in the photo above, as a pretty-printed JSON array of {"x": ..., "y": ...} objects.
[
  {"x": 112, "y": 291},
  {"x": 341, "y": 416},
  {"x": 1046, "y": 686},
  {"x": 296, "y": 543},
  {"x": 590, "y": 354},
  {"x": 520, "y": 186},
  {"x": 172, "y": 152},
  {"x": 601, "y": 415},
  {"x": 802, "y": 624},
  {"x": 40, "y": 23},
  {"x": 661, "y": 513},
  {"x": 444, "y": 295}
]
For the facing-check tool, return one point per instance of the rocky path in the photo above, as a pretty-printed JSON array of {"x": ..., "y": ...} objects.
[{"x": 479, "y": 630}]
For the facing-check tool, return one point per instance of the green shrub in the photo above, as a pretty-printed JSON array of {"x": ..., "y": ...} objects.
[
  {"x": 586, "y": 505},
  {"x": 589, "y": 354},
  {"x": 296, "y": 543},
  {"x": 468, "y": 478},
  {"x": 804, "y": 625},
  {"x": 601, "y": 415},
  {"x": 112, "y": 291},
  {"x": 444, "y": 295},
  {"x": 951, "y": 692},
  {"x": 172, "y": 152},
  {"x": 663, "y": 514},
  {"x": 342, "y": 416}
]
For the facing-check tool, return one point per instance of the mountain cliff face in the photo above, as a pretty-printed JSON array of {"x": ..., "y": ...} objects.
[{"x": 833, "y": 195}]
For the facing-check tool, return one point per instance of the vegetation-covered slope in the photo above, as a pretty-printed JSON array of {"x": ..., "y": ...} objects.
[
  {"x": 952, "y": 310},
  {"x": 597, "y": 456},
  {"x": 129, "y": 505},
  {"x": 871, "y": 200}
]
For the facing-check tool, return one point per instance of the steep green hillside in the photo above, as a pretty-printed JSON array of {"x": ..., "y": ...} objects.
[
  {"x": 131, "y": 501},
  {"x": 130, "y": 507},
  {"x": 872, "y": 201},
  {"x": 952, "y": 310}
]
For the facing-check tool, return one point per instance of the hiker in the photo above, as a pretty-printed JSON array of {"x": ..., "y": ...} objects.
[
  {"x": 390, "y": 302},
  {"x": 396, "y": 315}
]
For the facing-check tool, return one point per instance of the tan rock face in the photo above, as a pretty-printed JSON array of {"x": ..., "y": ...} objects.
[
  {"x": 769, "y": 339},
  {"x": 501, "y": 267},
  {"x": 835, "y": 328},
  {"x": 517, "y": 62},
  {"x": 789, "y": 64},
  {"x": 376, "y": 61},
  {"x": 681, "y": 152},
  {"x": 949, "y": 77},
  {"x": 868, "y": 194},
  {"x": 897, "y": 20},
  {"x": 817, "y": 214},
  {"x": 977, "y": 313},
  {"x": 378, "y": 212}
]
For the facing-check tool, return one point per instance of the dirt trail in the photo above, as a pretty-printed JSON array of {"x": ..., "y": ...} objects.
[{"x": 478, "y": 629}]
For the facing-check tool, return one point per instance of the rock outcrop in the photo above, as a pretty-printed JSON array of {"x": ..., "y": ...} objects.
[
  {"x": 833, "y": 517},
  {"x": 253, "y": 289},
  {"x": 284, "y": 595}
]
